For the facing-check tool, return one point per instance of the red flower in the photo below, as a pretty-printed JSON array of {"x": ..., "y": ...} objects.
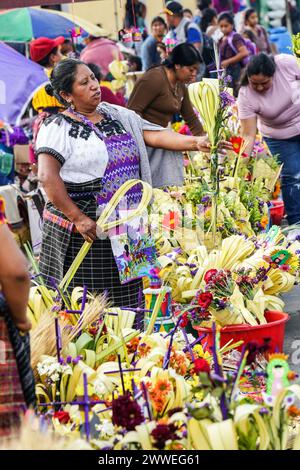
[
  {"x": 184, "y": 320},
  {"x": 237, "y": 142},
  {"x": 163, "y": 433},
  {"x": 201, "y": 365},
  {"x": 209, "y": 275},
  {"x": 62, "y": 416},
  {"x": 205, "y": 299},
  {"x": 126, "y": 412}
]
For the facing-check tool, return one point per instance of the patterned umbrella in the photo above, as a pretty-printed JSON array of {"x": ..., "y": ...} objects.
[
  {"x": 25, "y": 24},
  {"x": 19, "y": 79}
]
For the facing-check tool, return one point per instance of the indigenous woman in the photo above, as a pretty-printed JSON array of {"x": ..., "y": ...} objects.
[
  {"x": 13, "y": 279},
  {"x": 160, "y": 94},
  {"x": 85, "y": 154},
  {"x": 269, "y": 99}
]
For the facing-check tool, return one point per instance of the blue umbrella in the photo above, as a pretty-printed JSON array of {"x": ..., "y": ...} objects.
[
  {"x": 19, "y": 79},
  {"x": 25, "y": 24}
]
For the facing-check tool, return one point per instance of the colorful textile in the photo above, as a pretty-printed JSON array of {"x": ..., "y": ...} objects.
[
  {"x": 99, "y": 270},
  {"x": 11, "y": 394}
]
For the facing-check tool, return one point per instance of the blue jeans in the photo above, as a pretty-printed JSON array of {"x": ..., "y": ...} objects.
[{"x": 289, "y": 154}]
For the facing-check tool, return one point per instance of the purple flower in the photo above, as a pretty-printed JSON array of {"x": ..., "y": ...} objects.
[
  {"x": 226, "y": 99},
  {"x": 227, "y": 80}
]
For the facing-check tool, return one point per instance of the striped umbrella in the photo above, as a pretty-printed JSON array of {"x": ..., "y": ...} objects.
[{"x": 25, "y": 24}]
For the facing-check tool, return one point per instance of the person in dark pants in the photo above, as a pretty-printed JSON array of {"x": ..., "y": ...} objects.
[{"x": 269, "y": 99}]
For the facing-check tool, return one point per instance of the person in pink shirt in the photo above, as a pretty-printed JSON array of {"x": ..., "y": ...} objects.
[
  {"x": 269, "y": 99},
  {"x": 101, "y": 51}
]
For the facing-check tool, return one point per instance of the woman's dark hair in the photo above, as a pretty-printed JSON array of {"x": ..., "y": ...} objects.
[
  {"x": 226, "y": 16},
  {"x": 184, "y": 54},
  {"x": 45, "y": 62},
  {"x": 208, "y": 15},
  {"x": 248, "y": 13},
  {"x": 187, "y": 10},
  {"x": 250, "y": 35},
  {"x": 62, "y": 78},
  {"x": 159, "y": 19},
  {"x": 259, "y": 64},
  {"x": 203, "y": 4},
  {"x": 96, "y": 70},
  {"x": 134, "y": 59}
]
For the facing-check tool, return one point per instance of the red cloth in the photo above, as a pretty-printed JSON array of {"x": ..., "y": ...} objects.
[
  {"x": 101, "y": 52},
  {"x": 109, "y": 97}
]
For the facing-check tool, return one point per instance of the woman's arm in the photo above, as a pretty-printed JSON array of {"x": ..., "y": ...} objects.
[
  {"x": 173, "y": 141},
  {"x": 55, "y": 189},
  {"x": 248, "y": 132},
  {"x": 14, "y": 278},
  {"x": 242, "y": 53}
]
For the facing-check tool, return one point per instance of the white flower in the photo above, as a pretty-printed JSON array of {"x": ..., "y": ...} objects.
[
  {"x": 55, "y": 377},
  {"x": 105, "y": 428}
]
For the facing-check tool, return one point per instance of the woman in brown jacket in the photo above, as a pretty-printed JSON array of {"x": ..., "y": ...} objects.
[{"x": 159, "y": 94}]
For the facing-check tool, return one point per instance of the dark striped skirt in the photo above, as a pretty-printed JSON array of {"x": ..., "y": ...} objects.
[{"x": 98, "y": 270}]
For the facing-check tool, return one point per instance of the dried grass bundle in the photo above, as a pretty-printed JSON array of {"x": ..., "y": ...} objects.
[
  {"x": 30, "y": 436},
  {"x": 43, "y": 337}
]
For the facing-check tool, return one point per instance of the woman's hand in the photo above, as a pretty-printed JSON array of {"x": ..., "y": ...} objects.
[
  {"x": 23, "y": 325},
  {"x": 225, "y": 145},
  {"x": 87, "y": 227},
  {"x": 203, "y": 144},
  {"x": 225, "y": 64}
]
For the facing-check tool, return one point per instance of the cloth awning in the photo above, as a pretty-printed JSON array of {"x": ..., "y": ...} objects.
[{"x": 5, "y": 4}]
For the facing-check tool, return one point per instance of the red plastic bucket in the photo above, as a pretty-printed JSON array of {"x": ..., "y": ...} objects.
[
  {"x": 274, "y": 330},
  {"x": 277, "y": 212}
]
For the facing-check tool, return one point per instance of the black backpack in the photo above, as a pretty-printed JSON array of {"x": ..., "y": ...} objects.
[{"x": 207, "y": 53}]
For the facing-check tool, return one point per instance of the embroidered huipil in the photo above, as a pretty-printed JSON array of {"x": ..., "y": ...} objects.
[{"x": 92, "y": 170}]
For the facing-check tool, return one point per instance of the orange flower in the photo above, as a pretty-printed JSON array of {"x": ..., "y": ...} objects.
[
  {"x": 144, "y": 349},
  {"x": 163, "y": 386},
  {"x": 293, "y": 411},
  {"x": 264, "y": 221},
  {"x": 133, "y": 345},
  {"x": 237, "y": 142}
]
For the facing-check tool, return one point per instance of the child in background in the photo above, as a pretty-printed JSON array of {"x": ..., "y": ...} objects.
[
  {"x": 232, "y": 48},
  {"x": 260, "y": 35},
  {"x": 249, "y": 36},
  {"x": 209, "y": 24}
]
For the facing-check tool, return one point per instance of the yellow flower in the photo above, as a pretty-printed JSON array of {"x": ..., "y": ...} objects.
[{"x": 199, "y": 350}]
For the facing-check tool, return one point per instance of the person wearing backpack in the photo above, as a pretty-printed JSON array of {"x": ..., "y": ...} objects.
[
  {"x": 233, "y": 50},
  {"x": 260, "y": 38},
  {"x": 182, "y": 30}
]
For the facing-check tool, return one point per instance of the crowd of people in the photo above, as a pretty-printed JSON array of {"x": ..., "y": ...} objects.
[{"x": 90, "y": 136}]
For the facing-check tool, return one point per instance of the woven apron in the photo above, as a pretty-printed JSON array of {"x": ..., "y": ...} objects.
[{"x": 61, "y": 243}]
